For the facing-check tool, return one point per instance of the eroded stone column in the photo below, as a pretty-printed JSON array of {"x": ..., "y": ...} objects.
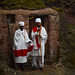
[
  {"x": 53, "y": 39},
  {"x": 4, "y": 39}
]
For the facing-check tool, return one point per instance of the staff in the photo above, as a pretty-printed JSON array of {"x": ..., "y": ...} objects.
[
  {"x": 40, "y": 46},
  {"x": 11, "y": 42}
]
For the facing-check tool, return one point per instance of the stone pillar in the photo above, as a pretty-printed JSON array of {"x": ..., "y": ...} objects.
[
  {"x": 4, "y": 39},
  {"x": 53, "y": 36}
]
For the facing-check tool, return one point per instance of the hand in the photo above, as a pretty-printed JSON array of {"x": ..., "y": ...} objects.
[
  {"x": 39, "y": 36},
  {"x": 38, "y": 30},
  {"x": 29, "y": 42}
]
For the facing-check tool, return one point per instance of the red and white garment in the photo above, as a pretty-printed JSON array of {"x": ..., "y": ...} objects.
[
  {"x": 36, "y": 41},
  {"x": 21, "y": 46}
]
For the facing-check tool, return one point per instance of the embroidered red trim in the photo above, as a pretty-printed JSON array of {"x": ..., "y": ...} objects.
[
  {"x": 22, "y": 52},
  {"x": 34, "y": 30}
]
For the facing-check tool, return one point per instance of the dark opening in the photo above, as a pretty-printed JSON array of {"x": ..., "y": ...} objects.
[
  {"x": 10, "y": 18},
  {"x": 44, "y": 23}
]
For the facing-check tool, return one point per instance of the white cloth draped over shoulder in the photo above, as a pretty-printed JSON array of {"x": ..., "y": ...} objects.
[
  {"x": 21, "y": 46},
  {"x": 36, "y": 41}
]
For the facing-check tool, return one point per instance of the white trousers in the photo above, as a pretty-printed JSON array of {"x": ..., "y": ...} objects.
[{"x": 40, "y": 61}]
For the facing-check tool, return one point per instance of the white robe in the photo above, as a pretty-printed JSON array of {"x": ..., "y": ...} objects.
[
  {"x": 43, "y": 41},
  {"x": 20, "y": 46}
]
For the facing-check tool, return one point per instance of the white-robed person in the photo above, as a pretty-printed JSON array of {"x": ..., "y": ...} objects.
[
  {"x": 22, "y": 46},
  {"x": 39, "y": 37}
]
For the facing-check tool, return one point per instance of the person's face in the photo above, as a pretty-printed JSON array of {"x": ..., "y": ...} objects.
[
  {"x": 21, "y": 27},
  {"x": 38, "y": 24}
]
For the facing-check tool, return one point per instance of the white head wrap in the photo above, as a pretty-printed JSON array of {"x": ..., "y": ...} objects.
[
  {"x": 38, "y": 20},
  {"x": 21, "y": 23}
]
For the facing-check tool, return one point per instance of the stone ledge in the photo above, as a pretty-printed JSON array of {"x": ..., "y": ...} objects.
[{"x": 46, "y": 11}]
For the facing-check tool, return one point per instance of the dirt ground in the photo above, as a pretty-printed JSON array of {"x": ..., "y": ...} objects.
[{"x": 48, "y": 70}]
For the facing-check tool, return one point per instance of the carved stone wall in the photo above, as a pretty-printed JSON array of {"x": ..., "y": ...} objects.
[{"x": 23, "y": 15}]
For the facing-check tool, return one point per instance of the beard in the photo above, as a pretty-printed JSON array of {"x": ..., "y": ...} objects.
[
  {"x": 38, "y": 26},
  {"x": 21, "y": 29}
]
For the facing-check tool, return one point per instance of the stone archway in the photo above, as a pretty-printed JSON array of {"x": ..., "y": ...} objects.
[{"x": 52, "y": 30}]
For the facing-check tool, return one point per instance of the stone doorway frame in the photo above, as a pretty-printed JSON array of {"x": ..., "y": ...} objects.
[{"x": 53, "y": 31}]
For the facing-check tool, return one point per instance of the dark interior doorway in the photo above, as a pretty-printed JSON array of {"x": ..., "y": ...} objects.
[
  {"x": 44, "y": 23},
  {"x": 10, "y": 18}
]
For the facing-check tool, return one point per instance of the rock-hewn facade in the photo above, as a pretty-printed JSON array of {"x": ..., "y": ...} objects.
[{"x": 49, "y": 17}]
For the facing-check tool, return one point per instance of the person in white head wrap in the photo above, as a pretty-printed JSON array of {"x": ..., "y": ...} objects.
[
  {"x": 22, "y": 46},
  {"x": 21, "y": 23},
  {"x": 39, "y": 37},
  {"x": 38, "y": 20}
]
